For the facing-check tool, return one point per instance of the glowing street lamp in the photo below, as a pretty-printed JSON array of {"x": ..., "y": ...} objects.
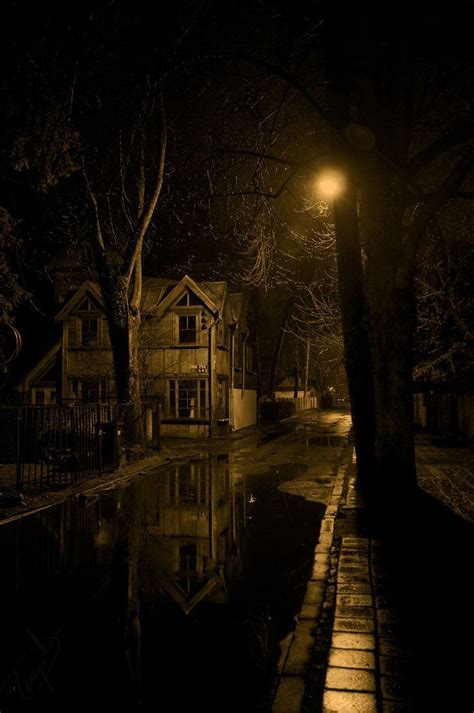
[{"x": 329, "y": 184}]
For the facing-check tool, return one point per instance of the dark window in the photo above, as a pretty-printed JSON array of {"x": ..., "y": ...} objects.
[
  {"x": 189, "y": 298},
  {"x": 172, "y": 398},
  {"x": 188, "y": 558},
  {"x": 87, "y": 304},
  {"x": 187, "y": 329},
  {"x": 238, "y": 350},
  {"x": 93, "y": 392},
  {"x": 89, "y": 332},
  {"x": 202, "y": 397}
]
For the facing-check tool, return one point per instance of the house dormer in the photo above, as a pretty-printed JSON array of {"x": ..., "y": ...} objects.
[{"x": 84, "y": 316}]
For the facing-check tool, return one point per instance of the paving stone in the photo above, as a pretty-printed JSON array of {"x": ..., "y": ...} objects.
[
  {"x": 355, "y": 600},
  {"x": 325, "y": 538},
  {"x": 355, "y": 569},
  {"x": 355, "y": 541},
  {"x": 348, "y": 702},
  {"x": 320, "y": 571},
  {"x": 351, "y": 578},
  {"x": 327, "y": 525},
  {"x": 350, "y": 679},
  {"x": 353, "y": 641},
  {"x": 311, "y": 611},
  {"x": 300, "y": 649},
  {"x": 356, "y": 553},
  {"x": 289, "y": 695},
  {"x": 314, "y": 592},
  {"x": 359, "y": 612},
  {"x": 353, "y": 624},
  {"x": 345, "y": 561},
  {"x": 349, "y": 588},
  {"x": 322, "y": 557},
  {"x": 345, "y": 658}
]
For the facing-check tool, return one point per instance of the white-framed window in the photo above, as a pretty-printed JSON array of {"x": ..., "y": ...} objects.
[
  {"x": 187, "y": 329},
  {"x": 187, "y": 398}
]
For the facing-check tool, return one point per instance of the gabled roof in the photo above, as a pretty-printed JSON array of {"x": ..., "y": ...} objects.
[
  {"x": 160, "y": 294},
  {"x": 86, "y": 288},
  {"x": 41, "y": 366},
  {"x": 202, "y": 290},
  {"x": 154, "y": 290},
  {"x": 216, "y": 290},
  {"x": 236, "y": 302}
]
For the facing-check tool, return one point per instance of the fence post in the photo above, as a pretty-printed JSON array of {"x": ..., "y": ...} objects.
[{"x": 19, "y": 479}]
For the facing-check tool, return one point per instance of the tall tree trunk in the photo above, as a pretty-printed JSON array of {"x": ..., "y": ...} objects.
[
  {"x": 349, "y": 258},
  {"x": 277, "y": 351},
  {"x": 391, "y": 303},
  {"x": 124, "y": 327},
  {"x": 357, "y": 356},
  {"x": 391, "y": 335}
]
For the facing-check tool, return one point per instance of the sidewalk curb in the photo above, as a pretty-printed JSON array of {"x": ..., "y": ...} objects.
[
  {"x": 295, "y": 661},
  {"x": 109, "y": 484}
]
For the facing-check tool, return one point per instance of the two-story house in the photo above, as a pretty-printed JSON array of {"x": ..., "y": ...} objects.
[{"x": 196, "y": 356}]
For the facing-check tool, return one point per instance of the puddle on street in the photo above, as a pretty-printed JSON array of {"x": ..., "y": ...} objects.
[
  {"x": 172, "y": 593},
  {"x": 329, "y": 440}
]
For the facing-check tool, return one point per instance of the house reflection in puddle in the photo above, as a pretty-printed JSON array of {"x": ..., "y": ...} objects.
[{"x": 190, "y": 547}]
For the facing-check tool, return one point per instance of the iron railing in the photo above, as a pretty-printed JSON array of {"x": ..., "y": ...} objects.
[
  {"x": 49, "y": 446},
  {"x": 58, "y": 445}
]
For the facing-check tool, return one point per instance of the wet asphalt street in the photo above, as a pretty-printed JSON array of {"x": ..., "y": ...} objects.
[{"x": 173, "y": 591}]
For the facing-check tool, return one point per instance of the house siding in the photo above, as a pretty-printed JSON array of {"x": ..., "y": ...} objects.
[{"x": 217, "y": 334}]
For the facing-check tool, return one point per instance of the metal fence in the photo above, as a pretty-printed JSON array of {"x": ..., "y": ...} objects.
[
  {"x": 58, "y": 445},
  {"x": 49, "y": 446}
]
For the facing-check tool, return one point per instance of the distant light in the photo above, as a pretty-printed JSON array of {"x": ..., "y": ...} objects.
[{"x": 329, "y": 184}]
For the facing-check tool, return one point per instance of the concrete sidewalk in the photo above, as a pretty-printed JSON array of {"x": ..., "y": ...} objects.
[{"x": 384, "y": 622}]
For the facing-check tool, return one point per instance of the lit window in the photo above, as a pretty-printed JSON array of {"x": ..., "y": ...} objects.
[
  {"x": 188, "y": 398},
  {"x": 187, "y": 329}
]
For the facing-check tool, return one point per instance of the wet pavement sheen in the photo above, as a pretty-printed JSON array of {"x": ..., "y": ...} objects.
[{"x": 176, "y": 587}]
